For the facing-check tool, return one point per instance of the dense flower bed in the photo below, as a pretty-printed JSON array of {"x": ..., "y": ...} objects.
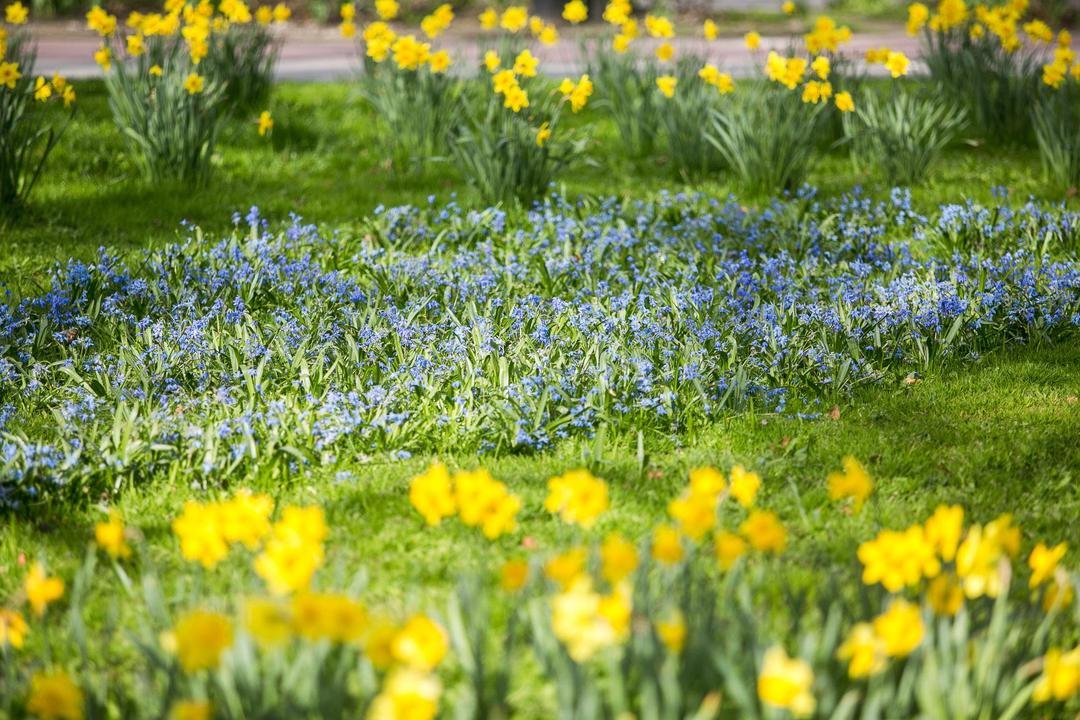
[
  {"x": 436, "y": 328},
  {"x": 947, "y": 618}
]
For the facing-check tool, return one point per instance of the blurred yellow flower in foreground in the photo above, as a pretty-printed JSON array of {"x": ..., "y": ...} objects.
[
  {"x": 41, "y": 590},
  {"x": 55, "y": 696},
  {"x": 202, "y": 637},
  {"x": 786, "y": 683}
]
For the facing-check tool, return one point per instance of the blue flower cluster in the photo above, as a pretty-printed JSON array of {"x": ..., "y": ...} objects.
[{"x": 437, "y": 329}]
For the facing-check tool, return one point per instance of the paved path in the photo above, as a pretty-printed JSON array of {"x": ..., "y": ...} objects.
[{"x": 310, "y": 53}]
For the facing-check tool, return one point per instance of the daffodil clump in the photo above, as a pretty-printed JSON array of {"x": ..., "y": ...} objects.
[
  {"x": 660, "y": 96},
  {"x": 280, "y": 632},
  {"x": 510, "y": 145},
  {"x": 768, "y": 137},
  {"x": 230, "y": 44},
  {"x": 407, "y": 81},
  {"x": 995, "y": 59},
  {"x": 1056, "y": 119},
  {"x": 513, "y": 148},
  {"x": 680, "y": 621},
  {"x": 28, "y": 131},
  {"x": 690, "y": 106},
  {"x": 513, "y": 26},
  {"x": 174, "y": 76}
]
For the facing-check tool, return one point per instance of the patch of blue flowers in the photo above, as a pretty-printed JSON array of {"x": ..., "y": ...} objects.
[{"x": 437, "y": 329}]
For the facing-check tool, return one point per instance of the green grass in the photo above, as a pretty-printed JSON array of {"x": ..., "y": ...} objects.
[
  {"x": 997, "y": 435},
  {"x": 325, "y": 162}
]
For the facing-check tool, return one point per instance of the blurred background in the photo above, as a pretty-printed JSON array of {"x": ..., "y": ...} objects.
[{"x": 324, "y": 11}]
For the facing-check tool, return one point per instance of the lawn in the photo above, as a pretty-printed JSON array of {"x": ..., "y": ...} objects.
[
  {"x": 638, "y": 325},
  {"x": 980, "y": 434},
  {"x": 326, "y": 163}
]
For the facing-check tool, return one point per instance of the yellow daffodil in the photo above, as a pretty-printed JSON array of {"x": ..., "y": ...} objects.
[
  {"x": 900, "y": 628},
  {"x": 672, "y": 632},
  {"x": 100, "y": 21},
  {"x": 55, "y": 696},
  {"x": 578, "y": 497},
  {"x": 525, "y": 64},
  {"x": 826, "y": 35},
  {"x": 548, "y": 35},
  {"x": 563, "y": 569},
  {"x": 13, "y": 629},
  {"x": 897, "y": 64},
  {"x": 854, "y": 482},
  {"x": 1060, "y": 678},
  {"x": 194, "y": 83},
  {"x": 786, "y": 683},
  {"x": 944, "y": 595},
  {"x": 764, "y": 531},
  {"x": 407, "y": 693},
  {"x": 744, "y": 485},
  {"x": 41, "y": 589},
  {"x": 618, "y": 558},
  {"x": 1039, "y": 31},
  {"x": 577, "y": 93},
  {"x": 431, "y": 494},
  {"x": 659, "y": 26},
  {"x": 543, "y": 134},
  {"x": 918, "y": 15},
  {"x": 265, "y": 123},
  {"x": 694, "y": 514},
  {"x": 328, "y": 616},
  {"x": 481, "y": 500},
  {"x": 191, "y": 710},
  {"x": 42, "y": 90},
  {"x": 409, "y": 53},
  {"x": 110, "y": 536},
  {"x": 898, "y": 559},
  {"x": 103, "y": 57},
  {"x": 575, "y": 12},
  {"x": 667, "y": 545},
  {"x": 294, "y": 550},
  {"x": 513, "y": 574},
  {"x": 202, "y": 637},
  {"x": 944, "y": 529},
  {"x": 421, "y": 644},
  {"x": 587, "y": 622},
  {"x": 864, "y": 652},
  {"x": 666, "y": 84},
  {"x": 387, "y": 9},
  {"x": 514, "y": 18},
  {"x": 268, "y": 622},
  {"x": 1043, "y": 562},
  {"x": 728, "y": 547}
]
